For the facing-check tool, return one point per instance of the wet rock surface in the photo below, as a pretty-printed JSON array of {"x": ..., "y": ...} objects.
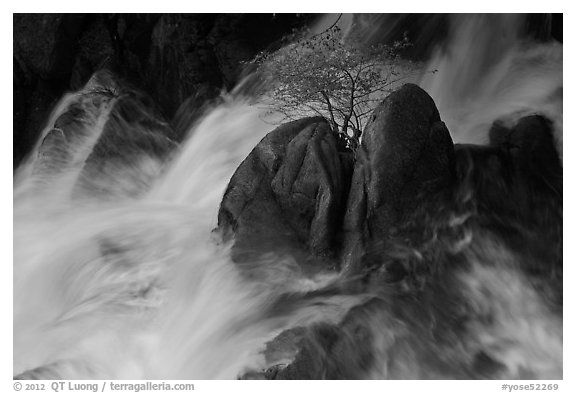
[
  {"x": 420, "y": 214},
  {"x": 405, "y": 157},
  {"x": 288, "y": 195},
  {"x": 445, "y": 244},
  {"x": 405, "y": 220},
  {"x": 296, "y": 184},
  {"x": 109, "y": 132},
  {"x": 408, "y": 221}
]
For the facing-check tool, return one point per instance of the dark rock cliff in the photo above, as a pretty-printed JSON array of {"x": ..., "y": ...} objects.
[{"x": 172, "y": 57}]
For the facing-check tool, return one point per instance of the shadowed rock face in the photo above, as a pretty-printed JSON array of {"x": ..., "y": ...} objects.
[
  {"x": 289, "y": 194},
  {"x": 525, "y": 172},
  {"x": 295, "y": 183},
  {"x": 530, "y": 144},
  {"x": 420, "y": 216},
  {"x": 110, "y": 139},
  {"x": 406, "y": 155},
  {"x": 411, "y": 219},
  {"x": 172, "y": 57}
]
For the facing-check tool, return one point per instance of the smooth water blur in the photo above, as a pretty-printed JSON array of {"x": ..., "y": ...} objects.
[
  {"x": 486, "y": 68},
  {"x": 140, "y": 287},
  {"x": 488, "y": 71}
]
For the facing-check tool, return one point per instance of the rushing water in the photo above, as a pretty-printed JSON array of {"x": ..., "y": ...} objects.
[
  {"x": 138, "y": 286},
  {"x": 492, "y": 73}
]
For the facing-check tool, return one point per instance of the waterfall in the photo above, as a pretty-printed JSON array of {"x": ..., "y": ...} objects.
[{"x": 119, "y": 275}]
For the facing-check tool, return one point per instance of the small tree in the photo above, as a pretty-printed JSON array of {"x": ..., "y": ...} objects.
[{"x": 338, "y": 79}]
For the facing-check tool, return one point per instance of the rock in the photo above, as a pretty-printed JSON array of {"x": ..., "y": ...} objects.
[
  {"x": 289, "y": 194},
  {"x": 112, "y": 136},
  {"x": 54, "y": 156},
  {"x": 310, "y": 187},
  {"x": 169, "y": 56},
  {"x": 45, "y": 46},
  {"x": 20, "y": 85},
  {"x": 513, "y": 186},
  {"x": 405, "y": 156},
  {"x": 524, "y": 176},
  {"x": 311, "y": 361},
  {"x": 96, "y": 50},
  {"x": 516, "y": 185},
  {"x": 531, "y": 145},
  {"x": 134, "y": 145},
  {"x": 335, "y": 351},
  {"x": 484, "y": 176},
  {"x": 193, "y": 108},
  {"x": 47, "y": 42},
  {"x": 284, "y": 347},
  {"x": 179, "y": 59},
  {"x": 237, "y": 38}
]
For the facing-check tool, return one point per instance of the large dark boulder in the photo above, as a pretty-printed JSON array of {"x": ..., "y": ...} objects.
[
  {"x": 289, "y": 194},
  {"x": 516, "y": 185},
  {"x": 530, "y": 143},
  {"x": 512, "y": 189},
  {"x": 406, "y": 155}
]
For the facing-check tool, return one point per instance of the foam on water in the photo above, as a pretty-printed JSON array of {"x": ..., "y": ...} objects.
[{"x": 140, "y": 287}]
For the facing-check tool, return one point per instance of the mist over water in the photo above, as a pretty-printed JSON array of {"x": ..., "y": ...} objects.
[
  {"x": 140, "y": 287},
  {"x": 127, "y": 285},
  {"x": 488, "y": 71}
]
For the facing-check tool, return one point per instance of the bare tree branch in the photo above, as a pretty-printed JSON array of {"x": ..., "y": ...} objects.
[{"x": 324, "y": 75}]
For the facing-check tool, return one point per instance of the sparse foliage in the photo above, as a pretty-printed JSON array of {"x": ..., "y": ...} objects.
[{"x": 338, "y": 79}]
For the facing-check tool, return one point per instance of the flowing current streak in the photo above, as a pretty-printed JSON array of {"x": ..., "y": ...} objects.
[
  {"x": 140, "y": 288},
  {"x": 487, "y": 74}
]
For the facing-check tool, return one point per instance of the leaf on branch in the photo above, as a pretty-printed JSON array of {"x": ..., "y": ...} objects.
[{"x": 327, "y": 75}]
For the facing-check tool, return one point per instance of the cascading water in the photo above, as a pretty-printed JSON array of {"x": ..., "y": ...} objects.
[
  {"x": 117, "y": 273},
  {"x": 137, "y": 287},
  {"x": 494, "y": 74}
]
